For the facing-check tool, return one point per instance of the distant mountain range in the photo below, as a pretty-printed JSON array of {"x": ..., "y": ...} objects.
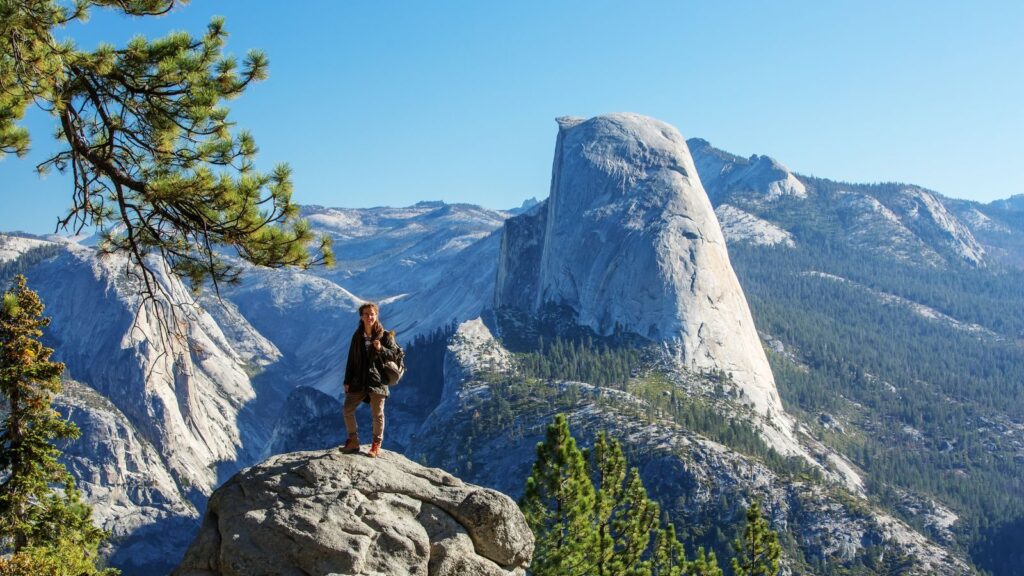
[{"x": 854, "y": 359}]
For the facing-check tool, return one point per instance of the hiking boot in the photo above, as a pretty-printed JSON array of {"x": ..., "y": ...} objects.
[
  {"x": 374, "y": 449},
  {"x": 351, "y": 445}
]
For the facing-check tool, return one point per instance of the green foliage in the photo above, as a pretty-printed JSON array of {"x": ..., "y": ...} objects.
[
  {"x": 669, "y": 558},
  {"x": 64, "y": 552},
  {"x": 757, "y": 553},
  {"x": 148, "y": 141},
  {"x": 558, "y": 504},
  {"x": 594, "y": 518},
  {"x": 59, "y": 558},
  {"x": 999, "y": 550},
  {"x": 619, "y": 367},
  {"x": 624, "y": 517},
  {"x": 610, "y": 466},
  {"x": 927, "y": 407},
  {"x": 699, "y": 415},
  {"x": 581, "y": 360},
  {"x": 704, "y": 564},
  {"x": 887, "y": 562},
  {"x": 43, "y": 526}
]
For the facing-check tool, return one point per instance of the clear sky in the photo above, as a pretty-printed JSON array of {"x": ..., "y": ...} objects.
[{"x": 392, "y": 102}]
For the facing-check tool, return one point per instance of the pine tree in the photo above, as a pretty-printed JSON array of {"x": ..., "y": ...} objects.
[
  {"x": 636, "y": 519},
  {"x": 757, "y": 554},
  {"x": 669, "y": 556},
  {"x": 624, "y": 517},
  {"x": 147, "y": 139},
  {"x": 47, "y": 530},
  {"x": 610, "y": 470},
  {"x": 704, "y": 565},
  {"x": 558, "y": 505},
  {"x": 605, "y": 531}
]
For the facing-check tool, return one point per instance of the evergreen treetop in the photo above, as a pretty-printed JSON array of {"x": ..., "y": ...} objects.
[
  {"x": 557, "y": 503},
  {"x": 597, "y": 519},
  {"x": 148, "y": 142},
  {"x": 757, "y": 553}
]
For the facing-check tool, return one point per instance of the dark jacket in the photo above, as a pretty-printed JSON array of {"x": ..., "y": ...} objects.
[{"x": 364, "y": 369}]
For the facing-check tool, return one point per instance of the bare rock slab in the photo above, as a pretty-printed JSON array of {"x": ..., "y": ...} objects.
[{"x": 331, "y": 513}]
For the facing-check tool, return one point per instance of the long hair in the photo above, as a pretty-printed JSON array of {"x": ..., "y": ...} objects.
[{"x": 377, "y": 330}]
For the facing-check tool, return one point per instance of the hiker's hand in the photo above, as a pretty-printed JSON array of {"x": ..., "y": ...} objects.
[
  {"x": 376, "y": 345},
  {"x": 346, "y": 388}
]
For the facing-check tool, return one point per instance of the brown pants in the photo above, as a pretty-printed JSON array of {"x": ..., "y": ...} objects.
[{"x": 353, "y": 400}]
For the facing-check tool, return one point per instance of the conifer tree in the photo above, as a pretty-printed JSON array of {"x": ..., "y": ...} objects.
[
  {"x": 636, "y": 520},
  {"x": 757, "y": 554},
  {"x": 147, "y": 140},
  {"x": 669, "y": 556},
  {"x": 610, "y": 467},
  {"x": 558, "y": 505},
  {"x": 48, "y": 531},
  {"x": 704, "y": 564},
  {"x": 602, "y": 531},
  {"x": 624, "y": 517}
]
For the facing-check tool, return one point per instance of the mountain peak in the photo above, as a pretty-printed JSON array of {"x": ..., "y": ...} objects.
[
  {"x": 1014, "y": 203},
  {"x": 628, "y": 242},
  {"x": 568, "y": 121}
]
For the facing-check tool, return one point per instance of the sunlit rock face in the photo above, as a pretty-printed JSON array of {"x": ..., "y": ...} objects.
[{"x": 628, "y": 241}]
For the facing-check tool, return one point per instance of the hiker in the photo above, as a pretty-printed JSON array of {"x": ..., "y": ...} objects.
[{"x": 371, "y": 347}]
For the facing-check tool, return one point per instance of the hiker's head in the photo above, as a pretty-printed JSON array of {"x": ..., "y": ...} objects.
[{"x": 368, "y": 316}]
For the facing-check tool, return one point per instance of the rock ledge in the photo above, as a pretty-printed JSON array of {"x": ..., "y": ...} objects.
[{"x": 331, "y": 513}]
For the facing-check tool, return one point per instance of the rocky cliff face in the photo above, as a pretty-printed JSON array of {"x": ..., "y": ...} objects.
[
  {"x": 999, "y": 226},
  {"x": 923, "y": 213},
  {"x": 133, "y": 494},
  {"x": 162, "y": 415},
  {"x": 331, "y": 513},
  {"x": 739, "y": 226},
  {"x": 183, "y": 392},
  {"x": 628, "y": 241}
]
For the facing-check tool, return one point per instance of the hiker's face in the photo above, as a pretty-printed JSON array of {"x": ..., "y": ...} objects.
[{"x": 369, "y": 317}]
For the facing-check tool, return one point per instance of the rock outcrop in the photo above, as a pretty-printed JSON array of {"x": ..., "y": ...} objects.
[
  {"x": 923, "y": 213},
  {"x": 331, "y": 513},
  {"x": 162, "y": 414},
  {"x": 628, "y": 241},
  {"x": 724, "y": 174},
  {"x": 182, "y": 392},
  {"x": 740, "y": 226}
]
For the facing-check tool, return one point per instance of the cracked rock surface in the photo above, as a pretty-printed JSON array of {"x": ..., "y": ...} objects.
[{"x": 332, "y": 513}]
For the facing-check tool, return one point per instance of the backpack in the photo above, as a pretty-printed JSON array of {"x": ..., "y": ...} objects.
[{"x": 394, "y": 370}]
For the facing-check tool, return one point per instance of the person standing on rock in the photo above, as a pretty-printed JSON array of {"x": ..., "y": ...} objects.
[{"x": 371, "y": 347}]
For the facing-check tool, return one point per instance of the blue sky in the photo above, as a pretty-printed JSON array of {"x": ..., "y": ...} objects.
[{"x": 388, "y": 103}]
